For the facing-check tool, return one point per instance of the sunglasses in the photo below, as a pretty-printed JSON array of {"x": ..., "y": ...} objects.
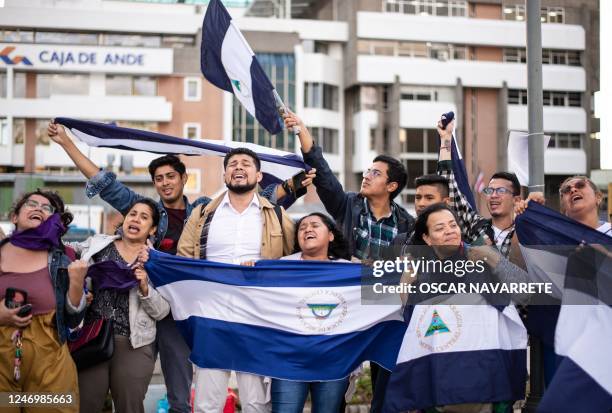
[{"x": 566, "y": 189}]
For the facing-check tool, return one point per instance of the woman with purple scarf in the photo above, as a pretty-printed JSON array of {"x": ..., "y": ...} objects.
[
  {"x": 122, "y": 293},
  {"x": 44, "y": 293}
]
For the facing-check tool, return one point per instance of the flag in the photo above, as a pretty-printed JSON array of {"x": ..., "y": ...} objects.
[
  {"x": 276, "y": 165},
  {"x": 479, "y": 184},
  {"x": 294, "y": 320},
  {"x": 582, "y": 279},
  {"x": 228, "y": 62}
]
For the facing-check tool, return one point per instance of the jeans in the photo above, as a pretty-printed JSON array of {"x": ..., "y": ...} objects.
[
  {"x": 290, "y": 396},
  {"x": 175, "y": 364}
]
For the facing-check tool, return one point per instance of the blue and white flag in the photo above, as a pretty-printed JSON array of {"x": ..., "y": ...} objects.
[
  {"x": 582, "y": 279},
  {"x": 228, "y": 62},
  {"x": 292, "y": 320},
  {"x": 461, "y": 174},
  {"x": 276, "y": 165},
  {"x": 454, "y": 354}
]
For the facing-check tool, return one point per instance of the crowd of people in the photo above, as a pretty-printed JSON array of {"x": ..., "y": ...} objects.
[{"x": 101, "y": 284}]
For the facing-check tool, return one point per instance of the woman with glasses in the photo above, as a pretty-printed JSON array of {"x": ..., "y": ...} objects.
[
  {"x": 316, "y": 239},
  {"x": 45, "y": 298}
]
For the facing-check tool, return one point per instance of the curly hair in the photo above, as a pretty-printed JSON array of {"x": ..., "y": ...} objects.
[
  {"x": 54, "y": 199},
  {"x": 338, "y": 248}
]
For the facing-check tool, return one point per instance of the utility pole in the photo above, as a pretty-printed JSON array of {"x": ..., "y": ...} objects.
[{"x": 536, "y": 169}]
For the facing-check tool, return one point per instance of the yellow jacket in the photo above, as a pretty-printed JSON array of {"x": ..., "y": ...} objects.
[{"x": 275, "y": 243}]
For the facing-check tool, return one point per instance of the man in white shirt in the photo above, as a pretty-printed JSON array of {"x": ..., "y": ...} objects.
[{"x": 236, "y": 227}]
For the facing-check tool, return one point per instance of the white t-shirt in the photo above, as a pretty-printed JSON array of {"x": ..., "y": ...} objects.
[
  {"x": 500, "y": 235},
  {"x": 298, "y": 256}
]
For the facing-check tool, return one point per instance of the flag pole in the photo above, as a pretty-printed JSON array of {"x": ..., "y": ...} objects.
[{"x": 282, "y": 109}]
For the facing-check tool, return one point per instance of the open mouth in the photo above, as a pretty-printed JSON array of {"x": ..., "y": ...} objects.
[
  {"x": 238, "y": 175},
  {"x": 310, "y": 236},
  {"x": 133, "y": 229},
  {"x": 36, "y": 217},
  {"x": 167, "y": 191},
  {"x": 494, "y": 204},
  {"x": 576, "y": 198}
]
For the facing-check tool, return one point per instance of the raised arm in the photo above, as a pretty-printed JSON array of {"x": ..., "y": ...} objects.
[
  {"x": 58, "y": 134},
  {"x": 328, "y": 187},
  {"x": 472, "y": 225}
]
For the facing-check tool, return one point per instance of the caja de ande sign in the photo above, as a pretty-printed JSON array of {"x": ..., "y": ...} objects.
[{"x": 86, "y": 59}]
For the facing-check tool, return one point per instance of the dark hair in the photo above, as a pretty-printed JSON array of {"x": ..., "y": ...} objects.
[
  {"x": 155, "y": 215},
  {"x": 509, "y": 176},
  {"x": 338, "y": 248},
  {"x": 172, "y": 160},
  {"x": 434, "y": 180},
  {"x": 420, "y": 226},
  {"x": 54, "y": 199},
  {"x": 242, "y": 151},
  {"x": 396, "y": 172}
]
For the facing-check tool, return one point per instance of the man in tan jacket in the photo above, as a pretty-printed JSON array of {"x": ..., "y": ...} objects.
[{"x": 237, "y": 227}]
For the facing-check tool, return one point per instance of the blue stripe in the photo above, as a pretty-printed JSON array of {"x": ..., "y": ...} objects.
[
  {"x": 461, "y": 175},
  {"x": 457, "y": 377},
  {"x": 164, "y": 269},
  {"x": 263, "y": 97},
  {"x": 573, "y": 390},
  {"x": 216, "y": 22},
  {"x": 269, "y": 352},
  {"x": 108, "y": 131}
]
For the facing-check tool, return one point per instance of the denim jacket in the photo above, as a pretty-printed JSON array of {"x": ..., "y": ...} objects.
[
  {"x": 121, "y": 198},
  {"x": 71, "y": 316}
]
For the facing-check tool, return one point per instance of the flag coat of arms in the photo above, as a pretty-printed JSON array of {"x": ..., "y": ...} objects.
[
  {"x": 455, "y": 354},
  {"x": 291, "y": 320},
  {"x": 228, "y": 62}
]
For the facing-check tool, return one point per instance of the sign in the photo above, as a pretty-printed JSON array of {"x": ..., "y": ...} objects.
[{"x": 59, "y": 58}]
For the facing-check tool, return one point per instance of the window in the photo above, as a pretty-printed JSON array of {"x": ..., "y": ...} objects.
[
  {"x": 454, "y": 8},
  {"x": 441, "y": 51},
  {"x": 42, "y": 138},
  {"x": 18, "y": 131},
  {"x": 326, "y": 138},
  {"x": 131, "y": 40},
  {"x": 192, "y": 130},
  {"x": 193, "y": 89},
  {"x": 573, "y": 58},
  {"x": 419, "y": 95},
  {"x": 4, "y": 132},
  {"x": 66, "y": 38},
  {"x": 3, "y": 85},
  {"x": 514, "y": 12},
  {"x": 547, "y": 14},
  {"x": 565, "y": 140},
  {"x": 177, "y": 41},
  {"x": 571, "y": 99},
  {"x": 517, "y": 97},
  {"x": 320, "y": 95},
  {"x": 130, "y": 85},
  {"x": 61, "y": 84},
  {"x": 16, "y": 36},
  {"x": 515, "y": 55},
  {"x": 19, "y": 85}
]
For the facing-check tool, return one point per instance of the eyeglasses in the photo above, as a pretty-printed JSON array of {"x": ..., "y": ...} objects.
[
  {"x": 566, "y": 189},
  {"x": 374, "y": 173},
  {"x": 488, "y": 191},
  {"x": 46, "y": 208}
]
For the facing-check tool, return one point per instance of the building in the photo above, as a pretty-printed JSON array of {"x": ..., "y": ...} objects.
[{"x": 367, "y": 76}]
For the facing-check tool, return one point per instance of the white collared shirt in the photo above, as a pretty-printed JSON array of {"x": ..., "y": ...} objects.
[{"x": 235, "y": 237}]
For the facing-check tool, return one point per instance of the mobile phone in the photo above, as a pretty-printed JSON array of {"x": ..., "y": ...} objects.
[
  {"x": 15, "y": 297},
  {"x": 447, "y": 118},
  {"x": 25, "y": 310},
  {"x": 297, "y": 181}
]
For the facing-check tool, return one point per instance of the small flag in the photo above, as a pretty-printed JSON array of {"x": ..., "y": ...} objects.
[
  {"x": 228, "y": 62},
  {"x": 479, "y": 185}
]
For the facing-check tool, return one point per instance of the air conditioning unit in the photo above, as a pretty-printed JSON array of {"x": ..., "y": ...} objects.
[{"x": 443, "y": 55}]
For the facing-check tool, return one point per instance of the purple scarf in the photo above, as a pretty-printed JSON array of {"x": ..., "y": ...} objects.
[
  {"x": 44, "y": 237},
  {"x": 112, "y": 275}
]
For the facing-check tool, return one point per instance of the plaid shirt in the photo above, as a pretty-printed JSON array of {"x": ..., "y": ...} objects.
[
  {"x": 473, "y": 226},
  {"x": 372, "y": 236}
]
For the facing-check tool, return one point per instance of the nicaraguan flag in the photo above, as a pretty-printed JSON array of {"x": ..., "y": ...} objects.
[
  {"x": 293, "y": 320},
  {"x": 276, "y": 165},
  {"x": 582, "y": 277},
  {"x": 454, "y": 354},
  {"x": 228, "y": 62}
]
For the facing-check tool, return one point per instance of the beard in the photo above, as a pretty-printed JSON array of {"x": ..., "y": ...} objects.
[{"x": 241, "y": 189}]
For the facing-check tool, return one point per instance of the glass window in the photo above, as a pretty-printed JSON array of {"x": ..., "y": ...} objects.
[
  {"x": 66, "y": 38},
  {"x": 573, "y": 58},
  {"x": 19, "y": 85},
  {"x": 18, "y": 131},
  {"x": 372, "y": 139},
  {"x": 3, "y": 85},
  {"x": 363, "y": 47},
  {"x": 17, "y": 36},
  {"x": 431, "y": 141},
  {"x": 558, "y": 98},
  {"x": 457, "y": 8},
  {"x": 48, "y": 84},
  {"x": 574, "y": 99},
  {"x": 42, "y": 138},
  {"x": 415, "y": 141},
  {"x": 145, "y": 86},
  {"x": 546, "y": 98},
  {"x": 383, "y": 48},
  {"x": 192, "y": 130},
  {"x": 558, "y": 57},
  {"x": 4, "y": 133},
  {"x": 131, "y": 40},
  {"x": 415, "y": 167},
  {"x": 192, "y": 89},
  {"x": 118, "y": 85},
  {"x": 177, "y": 41}
]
